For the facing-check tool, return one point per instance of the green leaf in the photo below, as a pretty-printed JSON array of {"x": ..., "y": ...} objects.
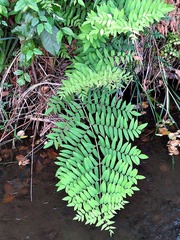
[
  {"x": 107, "y": 142},
  {"x": 82, "y": 170},
  {"x": 4, "y": 3},
  {"x": 136, "y": 160},
  {"x": 48, "y": 110},
  {"x": 60, "y": 187},
  {"x": 21, "y": 81},
  {"x": 81, "y": 3},
  {"x": 113, "y": 161},
  {"x": 18, "y": 72},
  {"x": 89, "y": 178},
  {"x": 143, "y": 156},
  {"x": 127, "y": 148},
  {"x": 27, "y": 77},
  {"x": 71, "y": 141},
  {"x": 4, "y": 12},
  {"x": 33, "y": 5},
  {"x": 48, "y": 27},
  {"x": 20, "y": 5},
  {"x": 37, "y": 51},
  {"x": 40, "y": 28},
  {"x": 84, "y": 126},
  {"x": 91, "y": 119},
  {"x": 99, "y": 223},
  {"x": 67, "y": 31},
  {"x": 35, "y": 21},
  {"x": 136, "y": 114},
  {"x": 43, "y": 18},
  {"x": 49, "y": 41},
  {"x": 108, "y": 119},
  {"x": 140, "y": 177},
  {"x": 101, "y": 129},
  {"x": 126, "y": 134},
  {"x": 86, "y": 45},
  {"x": 48, "y": 144},
  {"x": 59, "y": 36},
  {"x": 142, "y": 126},
  {"x": 29, "y": 55}
]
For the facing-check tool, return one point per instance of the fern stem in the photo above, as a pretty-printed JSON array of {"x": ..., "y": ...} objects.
[{"x": 99, "y": 165}]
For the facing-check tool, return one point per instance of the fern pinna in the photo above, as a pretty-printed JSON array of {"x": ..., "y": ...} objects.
[{"x": 96, "y": 160}]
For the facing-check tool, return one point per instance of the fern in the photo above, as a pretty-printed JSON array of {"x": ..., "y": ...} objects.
[
  {"x": 84, "y": 78},
  {"x": 96, "y": 160},
  {"x": 99, "y": 67},
  {"x": 105, "y": 44},
  {"x": 132, "y": 18},
  {"x": 118, "y": 50},
  {"x": 75, "y": 13},
  {"x": 47, "y": 5}
]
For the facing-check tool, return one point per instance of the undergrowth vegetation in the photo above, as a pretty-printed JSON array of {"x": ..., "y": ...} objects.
[{"x": 71, "y": 64}]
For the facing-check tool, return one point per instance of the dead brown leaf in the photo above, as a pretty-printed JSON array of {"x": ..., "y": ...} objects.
[
  {"x": 145, "y": 105},
  {"x": 8, "y": 198},
  {"x": 4, "y": 93},
  {"x": 138, "y": 58},
  {"x": 22, "y": 160},
  {"x": 163, "y": 131},
  {"x": 173, "y": 150},
  {"x": 44, "y": 89},
  {"x": 23, "y": 148},
  {"x": 9, "y": 189},
  {"x": 174, "y": 142}
]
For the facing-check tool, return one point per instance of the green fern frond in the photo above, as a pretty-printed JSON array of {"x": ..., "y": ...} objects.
[
  {"x": 120, "y": 50},
  {"x": 74, "y": 12},
  {"x": 105, "y": 42},
  {"x": 111, "y": 20},
  {"x": 96, "y": 158},
  {"x": 47, "y": 5},
  {"x": 104, "y": 46},
  {"x": 84, "y": 78},
  {"x": 94, "y": 69}
]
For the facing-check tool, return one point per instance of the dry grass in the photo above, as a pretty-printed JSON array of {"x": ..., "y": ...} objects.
[{"x": 26, "y": 104}]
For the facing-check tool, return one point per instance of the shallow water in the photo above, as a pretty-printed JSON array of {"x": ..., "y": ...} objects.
[{"x": 152, "y": 214}]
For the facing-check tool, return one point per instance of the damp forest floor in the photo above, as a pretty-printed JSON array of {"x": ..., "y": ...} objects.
[{"x": 31, "y": 208}]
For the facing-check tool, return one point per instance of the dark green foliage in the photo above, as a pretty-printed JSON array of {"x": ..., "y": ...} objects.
[
  {"x": 112, "y": 19},
  {"x": 170, "y": 51},
  {"x": 93, "y": 23},
  {"x": 96, "y": 160},
  {"x": 106, "y": 66},
  {"x": 105, "y": 41}
]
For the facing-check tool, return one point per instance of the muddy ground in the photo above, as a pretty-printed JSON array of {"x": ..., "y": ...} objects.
[{"x": 152, "y": 214}]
